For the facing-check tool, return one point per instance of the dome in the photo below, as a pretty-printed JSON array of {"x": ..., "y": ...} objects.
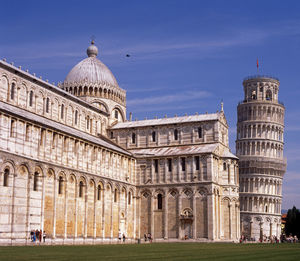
[{"x": 90, "y": 71}]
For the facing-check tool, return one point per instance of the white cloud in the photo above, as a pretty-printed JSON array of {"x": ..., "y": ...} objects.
[{"x": 169, "y": 98}]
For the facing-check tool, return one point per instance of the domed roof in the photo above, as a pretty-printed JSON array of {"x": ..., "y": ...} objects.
[{"x": 90, "y": 71}]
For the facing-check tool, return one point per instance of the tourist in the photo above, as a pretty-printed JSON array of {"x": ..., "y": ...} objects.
[
  {"x": 124, "y": 238},
  {"x": 145, "y": 237},
  {"x": 44, "y": 236},
  {"x": 150, "y": 237},
  {"x": 120, "y": 235},
  {"x": 37, "y": 234},
  {"x": 40, "y": 235},
  {"x": 31, "y": 235}
]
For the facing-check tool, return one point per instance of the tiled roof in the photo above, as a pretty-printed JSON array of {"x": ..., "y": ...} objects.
[
  {"x": 165, "y": 121},
  {"x": 177, "y": 150}
]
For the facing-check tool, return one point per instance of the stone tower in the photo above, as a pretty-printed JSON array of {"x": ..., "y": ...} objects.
[{"x": 259, "y": 146}]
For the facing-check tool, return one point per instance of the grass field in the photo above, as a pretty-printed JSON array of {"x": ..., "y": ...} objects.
[{"x": 159, "y": 251}]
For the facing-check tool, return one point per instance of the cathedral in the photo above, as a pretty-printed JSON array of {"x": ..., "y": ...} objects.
[{"x": 73, "y": 165}]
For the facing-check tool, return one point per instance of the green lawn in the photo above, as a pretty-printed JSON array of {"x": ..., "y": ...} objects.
[{"x": 155, "y": 251}]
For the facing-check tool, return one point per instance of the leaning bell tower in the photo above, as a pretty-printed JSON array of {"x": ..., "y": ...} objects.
[{"x": 259, "y": 146}]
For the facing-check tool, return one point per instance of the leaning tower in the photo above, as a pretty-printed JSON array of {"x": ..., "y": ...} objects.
[{"x": 259, "y": 146}]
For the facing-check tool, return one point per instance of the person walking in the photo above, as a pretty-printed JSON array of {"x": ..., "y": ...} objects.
[
  {"x": 120, "y": 235},
  {"x": 34, "y": 236},
  {"x": 40, "y": 235},
  {"x": 31, "y": 235},
  {"x": 124, "y": 238},
  {"x": 44, "y": 236}
]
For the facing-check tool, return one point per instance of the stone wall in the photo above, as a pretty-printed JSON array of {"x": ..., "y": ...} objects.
[{"x": 64, "y": 203}]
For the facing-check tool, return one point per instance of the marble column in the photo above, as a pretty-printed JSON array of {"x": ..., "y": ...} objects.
[
  {"x": 166, "y": 215},
  {"x": 194, "y": 215}
]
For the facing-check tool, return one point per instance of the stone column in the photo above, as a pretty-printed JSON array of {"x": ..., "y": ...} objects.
[
  {"x": 192, "y": 168},
  {"x": 261, "y": 232},
  {"x": 28, "y": 205},
  {"x": 111, "y": 213},
  {"x": 66, "y": 210},
  {"x": 219, "y": 216},
  {"x": 194, "y": 215},
  {"x": 103, "y": 212},
  {"x": 13, "y": 207},
  {"x": 126, "y": 212},
  {"x": 152, "y": 170},
  {"x": 152, "y": 214},
  {"x": 94, "y": 214},
  {"x": 54, "y": 208},
  {"x": 43, "y": 201},
  {"x": 178, "y": 215},
  {"x": 165, "y": 169},
  {"x": 166, "y": 216},
  {"x": 139, "y": 214},
  {"x": 230, "y": 219},
  {"x": 119, "y": 209},
  {"x": 178, "y": 169},
  {"x": 210, "y": 216},
  {"x": 76, "y": 209},
  {"x": 85, "y": 210}
]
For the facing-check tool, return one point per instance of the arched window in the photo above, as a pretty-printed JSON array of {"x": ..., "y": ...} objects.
[
  {"x": 62, "y": 111},
  {"x": 43, "y": 134},
  {"x": 116, "y": 114},
  {"x": 30, "y": 98},
  {"x": 169, "y": 165},
  {"x": 99, "y": 192},
  {"x": 224, "y": 166},
  {"x": 116, "y": 195},
  {"x": 129, "y": 198},
  {"x": 60, "y": 185},
  {"x": 156, "y": 165},
  {"x": 27, "y": 132},
  {"x": 35, "y": 181},
  {"x": 12, "y": 91},
  {"x": 47, "y": 105},
  {"x": 269, "y": 95},
  {"x": 5, "y": 177},
  {"x": 197, "y": 162},
  {"x": 87, "y": 122},
  {"x": 12, "y": 128},
  {"x": 175, "y": 134},
  {"x": 266, "y": 209},
  {"x": 76, "y": 117},
  {"x": 133, "y": 138},
  {"x": 153, "y": 136},
  {"x": 199, "y": 132},
  {"x": 91, "y": 125},
  {"x": 183, "y": 164},
  {"x": 80, "y": 189},
  {"x": 159, "y": 201}
]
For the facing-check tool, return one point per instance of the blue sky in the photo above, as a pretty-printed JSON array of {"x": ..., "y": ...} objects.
[{"x": 186, "y": 56}]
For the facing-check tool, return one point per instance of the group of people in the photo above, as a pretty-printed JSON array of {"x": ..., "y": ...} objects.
[
  {"x": 289, "y": 239},
  {"x": 148, "y": 237},
  {"x": 122, "y": 236},
  {"x": 271, "y": 239},
  {"x": 37, "y": 235}
]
